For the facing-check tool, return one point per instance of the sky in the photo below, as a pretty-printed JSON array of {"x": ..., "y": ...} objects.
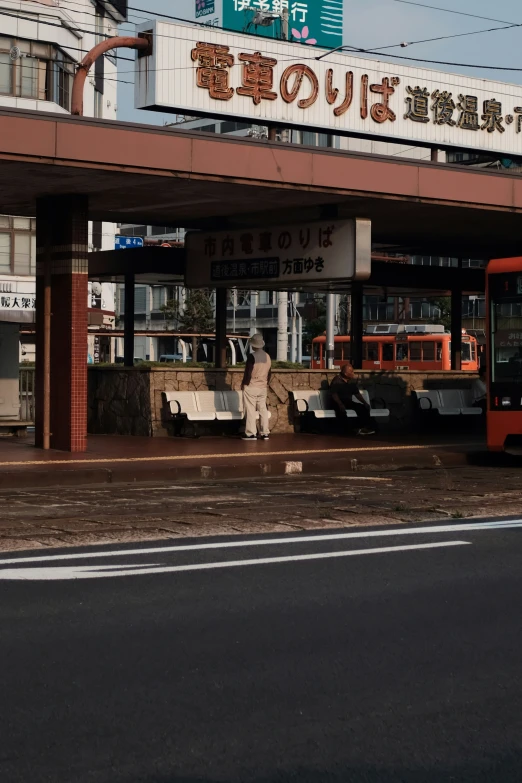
[{"x": 387, "y": 23}]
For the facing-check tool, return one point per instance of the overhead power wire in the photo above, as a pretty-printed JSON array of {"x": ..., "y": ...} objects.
[
  {"x": 349, "y": 48},
  {"x": 445, "y": 37},
  {"x": 451, "y": 11},
  {"x": 375, "y": 51},
  {"x": 433, "y": 62}
]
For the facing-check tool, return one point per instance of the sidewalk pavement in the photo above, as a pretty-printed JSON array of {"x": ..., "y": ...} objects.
[
  {"x": 116, "y": 459},
  {"x": 108, "y": 514}
]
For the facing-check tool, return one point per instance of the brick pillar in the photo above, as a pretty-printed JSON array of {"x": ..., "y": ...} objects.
[{"x": 62, "y": 246}]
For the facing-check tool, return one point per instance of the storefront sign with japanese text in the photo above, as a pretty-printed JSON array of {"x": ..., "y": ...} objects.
[
  {"x": 508, "y": 338},
  {"x": 17, "y": 294},
  {"x": 280, "y": 257},
  {"x": 209, "y": 72}
]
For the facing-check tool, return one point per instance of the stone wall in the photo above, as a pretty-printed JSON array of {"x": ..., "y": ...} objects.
[
  {"x": 129, "y": 401},
  {"x": 119, "y": 401}
]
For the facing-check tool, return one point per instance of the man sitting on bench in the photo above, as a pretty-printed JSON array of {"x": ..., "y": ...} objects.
[{"x": 343, "y": 388}]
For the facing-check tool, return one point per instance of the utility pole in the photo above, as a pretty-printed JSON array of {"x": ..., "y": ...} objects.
[
  {"x": 234, "y": 308},
  {"x": 293, "y": 330},
  {"x": 284, "y": 23},
  {"x": 330, "y": 330},
  {"x": 282, "y": 296},
  {"x": 253, "y": 312},
  {"x": 282, "y": 326}
]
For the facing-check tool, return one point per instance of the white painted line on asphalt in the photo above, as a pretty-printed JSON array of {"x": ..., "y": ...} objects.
[
  {"x": 407, "y": 531},
  {"x": 103, "y": 572}
]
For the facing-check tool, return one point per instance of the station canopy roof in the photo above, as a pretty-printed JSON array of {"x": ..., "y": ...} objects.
[{"x": 151, "y": 175}]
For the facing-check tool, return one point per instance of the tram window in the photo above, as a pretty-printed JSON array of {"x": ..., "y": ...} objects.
[
  {"x": 317, "y": 350},
  {"x": 338, "y": 350},
  {"x": 465, "y": 352},
  {"x": 387, "y": 352},
  {"x": 415, "y": 351},
  {"x": 373, "y": 351},
  {"x": 348, "y": 351},
  {"x": 428, "y": 351},
  {"x": 439, "y": 352},
  {"x": 402, "y": 352}
]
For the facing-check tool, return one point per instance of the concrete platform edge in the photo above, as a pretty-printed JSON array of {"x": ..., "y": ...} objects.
[{"x": 425, "y": 459}]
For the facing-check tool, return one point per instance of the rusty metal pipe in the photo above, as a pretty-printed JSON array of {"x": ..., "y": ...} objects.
[{"x": 118, "y": 42}]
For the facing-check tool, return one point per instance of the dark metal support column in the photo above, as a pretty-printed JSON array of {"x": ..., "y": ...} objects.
[
  {"x": 128, "y": 334},
  {"x": 456, "y": 329},
  {"x": 356, "y": 328},
  {"x": 221, "y": 327}
]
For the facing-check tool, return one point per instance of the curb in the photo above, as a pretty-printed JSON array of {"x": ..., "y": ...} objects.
[{"x": 230, "y": 470}]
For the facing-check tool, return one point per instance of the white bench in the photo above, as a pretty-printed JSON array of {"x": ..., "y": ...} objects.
[
  {"x": 447, "y": 402},
  {"x": 206, "y": 405},
  {"x": 318, "y": 403}
]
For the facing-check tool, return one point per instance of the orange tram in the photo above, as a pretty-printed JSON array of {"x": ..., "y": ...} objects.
[
  {"x": 407, "y": 348},
  {"x": 504, "y": 354}
]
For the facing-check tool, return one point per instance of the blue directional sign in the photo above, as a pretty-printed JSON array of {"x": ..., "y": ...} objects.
[{"x": 124, "y": 243}]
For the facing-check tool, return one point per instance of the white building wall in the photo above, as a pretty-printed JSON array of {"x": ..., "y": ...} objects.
[{"x": 75, "y": 28}]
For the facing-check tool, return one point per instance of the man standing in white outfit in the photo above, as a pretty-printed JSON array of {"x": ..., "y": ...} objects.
[{"x": 255, "y": 387}]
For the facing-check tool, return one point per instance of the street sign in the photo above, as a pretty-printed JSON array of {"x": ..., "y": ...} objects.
[
  {"x": 299, "y": 257},
  {"x": 124, "y": 243}
]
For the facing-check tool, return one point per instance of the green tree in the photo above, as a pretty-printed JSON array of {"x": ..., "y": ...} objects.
[
  {"x": 170, "y": 312},
  {"x": 444, "y": 305},
  {"x": 197, "y": 316},
  {"x": 316, "y": 326}
]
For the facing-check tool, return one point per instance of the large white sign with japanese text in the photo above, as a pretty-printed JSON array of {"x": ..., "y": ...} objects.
[
  {"x": 208, "y": 72},
  {"x": 280, "y": 257}
]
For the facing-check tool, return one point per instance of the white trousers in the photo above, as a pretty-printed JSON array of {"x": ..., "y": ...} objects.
[{"x": 255, "y": 400}]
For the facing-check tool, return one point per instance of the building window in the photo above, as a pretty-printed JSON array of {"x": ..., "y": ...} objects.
[
  {"x": 158, "y": 297},
  {"x": 5, "y": 253},
  {"x": 140, "y": 299},
  {"x": 63, "y": 77},
  {"x": 17, "y": 246},
  {"x": 39, "y": 71},
  {"x": 265, "y": 298}
]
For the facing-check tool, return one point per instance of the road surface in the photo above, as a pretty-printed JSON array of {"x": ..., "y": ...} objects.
[{"x": 372, "y": 655}]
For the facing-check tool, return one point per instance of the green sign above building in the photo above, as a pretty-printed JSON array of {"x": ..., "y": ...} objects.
[{"x": 310, "y": 22}]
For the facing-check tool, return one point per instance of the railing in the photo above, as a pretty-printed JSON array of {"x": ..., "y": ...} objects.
[
  {"x": 27, "y": 386},
  {"x": 384, "y": 312}
]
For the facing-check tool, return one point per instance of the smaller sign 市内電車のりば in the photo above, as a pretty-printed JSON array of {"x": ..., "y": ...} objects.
[{"x": 305, "y": 256}]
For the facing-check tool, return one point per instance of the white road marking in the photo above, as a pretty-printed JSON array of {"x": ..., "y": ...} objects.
[
  {"x": 409, "y": 531},
  {"x": 103, "y": 572}
]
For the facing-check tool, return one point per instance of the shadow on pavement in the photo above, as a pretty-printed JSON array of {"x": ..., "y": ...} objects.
[
  {"x": 489, "y": 459},
  {"x": 507, "y": 769}
]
